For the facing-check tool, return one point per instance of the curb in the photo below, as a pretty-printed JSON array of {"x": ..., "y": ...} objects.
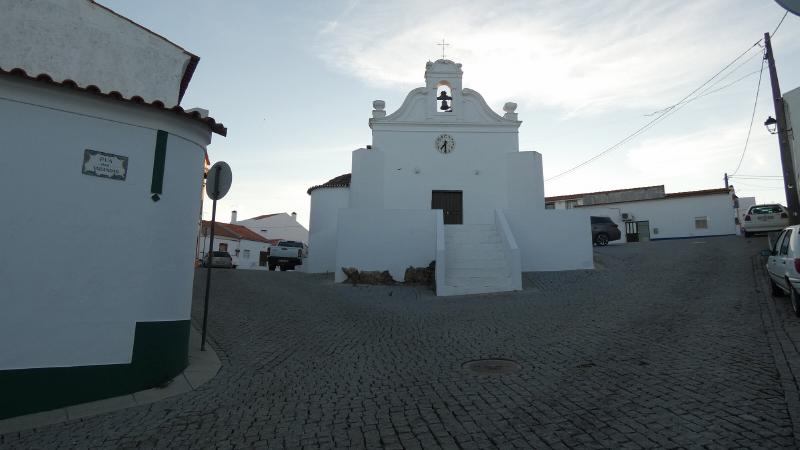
[
  {"x": 783, "y": 349},
  {"x": 203, "y": 366}
]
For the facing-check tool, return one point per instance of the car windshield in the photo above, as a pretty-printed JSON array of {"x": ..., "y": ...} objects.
[
  {"x": 766, "y": 209},
  {"x": 596, "y": 219},
  {"x": 290, "y": 244},
  {"x": 220, "y": 254}
]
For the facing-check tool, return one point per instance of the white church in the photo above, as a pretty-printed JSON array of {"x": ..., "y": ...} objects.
[{"x": 444, "y": 180}]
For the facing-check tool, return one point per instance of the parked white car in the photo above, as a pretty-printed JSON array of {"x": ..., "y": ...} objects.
[
  {"x": 783, "y": 266},
  {"x": 763, "y": 218}
]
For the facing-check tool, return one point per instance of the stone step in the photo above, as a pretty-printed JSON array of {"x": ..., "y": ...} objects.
[
  {"x": 475, "y": 263},
  {"x": 497, "y": 283},
  {"x": 478, "y": 251},
  {"x": 469, "y": 272}
]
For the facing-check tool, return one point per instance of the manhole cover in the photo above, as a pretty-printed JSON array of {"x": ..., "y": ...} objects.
[{"x": 492, "y": 366}]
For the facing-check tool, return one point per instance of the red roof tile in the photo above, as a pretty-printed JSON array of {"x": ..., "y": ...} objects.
[
  {"x": 212, "y": 124},
  {"x": 233, "y": 231},
  {"x": 571, "y": 196}
]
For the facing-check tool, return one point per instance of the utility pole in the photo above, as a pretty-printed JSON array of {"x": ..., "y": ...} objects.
[
  {"x": 789, "y": 179},
  {"x": 726, "y": 181}
]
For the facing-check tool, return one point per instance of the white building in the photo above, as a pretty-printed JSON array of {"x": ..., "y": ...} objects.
[
  {"x": 791, "y": 105},
  {"x": 444, "y": 181},
  {"x": 648, "y": 213},
  {"x": 103, "y": 174},
  {"x": 247, "y": 248},
  {"x": 278, "y": 226}
]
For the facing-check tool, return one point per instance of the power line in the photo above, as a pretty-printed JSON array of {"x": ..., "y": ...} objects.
[
  {"x": 779, "y": 23},
  {"x": 755, "y": 176},
  {"x": 663, "y": 114},
  {"x": 752, "y": 117}
]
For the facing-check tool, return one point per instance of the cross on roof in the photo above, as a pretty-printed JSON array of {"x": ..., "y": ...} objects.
[{"x": 443, "y": 45}]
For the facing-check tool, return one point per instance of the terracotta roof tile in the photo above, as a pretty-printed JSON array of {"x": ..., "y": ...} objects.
[
  {"x": 338, "y": 182},
  {"x": 233, "y": 231},
  {"x": 212, "y": 124}
]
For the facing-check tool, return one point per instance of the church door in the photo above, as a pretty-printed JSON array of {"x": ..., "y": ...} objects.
[{"x": 450, "y": 202}]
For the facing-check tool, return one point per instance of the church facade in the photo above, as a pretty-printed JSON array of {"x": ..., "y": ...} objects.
[{"x": 444, "y": 181}]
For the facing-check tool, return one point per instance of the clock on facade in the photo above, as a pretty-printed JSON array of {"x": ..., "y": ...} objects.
[{"x": 445, "y": 143}]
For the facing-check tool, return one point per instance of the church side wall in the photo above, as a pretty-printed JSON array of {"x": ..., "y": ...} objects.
[
  {"x": 552, "y": 240},
  {"x": 367, "y": 179},
  {"x": 525, "y": 180},
  {"x": 389, "y": 239},
  {"x": 414, "y": 168},
  {"x": 323, "y": 227},
  {"x": 98, "y": 297}
]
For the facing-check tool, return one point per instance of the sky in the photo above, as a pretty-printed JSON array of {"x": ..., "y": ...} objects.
[{"x": 294, "y": 83}]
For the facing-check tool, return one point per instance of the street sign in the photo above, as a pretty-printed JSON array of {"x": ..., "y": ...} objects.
[
  {"x": 219, "y": 180},
  {"x": 792, "y": 6}
]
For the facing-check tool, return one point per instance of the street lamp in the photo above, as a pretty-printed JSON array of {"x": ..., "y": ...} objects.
[{"x": 772, "y": 125}]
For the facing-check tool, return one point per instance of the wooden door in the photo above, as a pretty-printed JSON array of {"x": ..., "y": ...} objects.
[{"x": 451, "y": 204}]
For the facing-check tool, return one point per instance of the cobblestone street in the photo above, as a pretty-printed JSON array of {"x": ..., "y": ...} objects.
[{"x": 666, "y": 344}]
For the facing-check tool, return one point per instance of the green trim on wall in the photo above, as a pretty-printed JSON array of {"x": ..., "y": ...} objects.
[
  {"x": 159, "y": 161},
  {"x": 160, "y": 352}
]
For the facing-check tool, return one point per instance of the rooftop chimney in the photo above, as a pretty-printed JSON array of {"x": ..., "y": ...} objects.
[
  {"x": 233, "y": 217},
  {"x": 294, "y": 216}
]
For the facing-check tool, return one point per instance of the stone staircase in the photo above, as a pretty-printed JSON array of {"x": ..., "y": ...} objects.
[{"x": 475, "y": 260}]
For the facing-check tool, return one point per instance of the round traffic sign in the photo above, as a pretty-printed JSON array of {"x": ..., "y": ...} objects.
[{"x": 219, "y": 180}]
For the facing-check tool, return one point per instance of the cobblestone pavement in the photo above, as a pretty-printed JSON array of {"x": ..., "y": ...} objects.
[{"x": 667, "y": 344}]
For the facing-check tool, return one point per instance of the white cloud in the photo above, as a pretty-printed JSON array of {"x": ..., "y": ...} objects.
[{"x": 581, "y": 57}]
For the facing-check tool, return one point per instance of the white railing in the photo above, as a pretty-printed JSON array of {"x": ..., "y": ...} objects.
[
  {"x": 513, "y": 256},
  {"x": 440, "y": 253}
]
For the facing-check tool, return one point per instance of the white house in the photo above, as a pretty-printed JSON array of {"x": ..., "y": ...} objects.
[
  {"x": 648, "y": 213},
  {"x": 444, "y": 181},
  {"x": 247, "y": 248},
  {"x": 277, "y": 226},
  {"x": 103, "y": 173}
]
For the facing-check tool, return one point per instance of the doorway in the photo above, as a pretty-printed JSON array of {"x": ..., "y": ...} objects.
[{"x": 451, "y": 204}]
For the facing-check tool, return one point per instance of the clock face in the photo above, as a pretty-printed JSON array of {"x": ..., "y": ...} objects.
[{"x": 445, "y": 143}]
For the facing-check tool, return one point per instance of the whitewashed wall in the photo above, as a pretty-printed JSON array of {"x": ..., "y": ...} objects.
[
  {"x": 674, "y": 217},
  {"x": 390, "y": 239},
  {"x": 552, "y": 240},
  {"x": 240, "y": 259},
  {"x": 41, "y": 36},
  {"x": 92, "y": 256},
  {"x": 791, "y": 103},
  {"x": 478, "y": 166},
  {"x": 323, "y": 225},
  {"x": 280, "y": 226}
]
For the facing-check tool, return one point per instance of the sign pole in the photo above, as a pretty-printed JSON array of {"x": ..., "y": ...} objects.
[{"x": 209, "y": 254}]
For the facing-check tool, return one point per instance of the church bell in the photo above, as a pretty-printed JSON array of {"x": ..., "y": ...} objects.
[{"x": 444, "y": 98}]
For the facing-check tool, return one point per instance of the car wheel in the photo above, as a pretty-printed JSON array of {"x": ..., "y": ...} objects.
[
  {"x": 774, "y": 289},
  {"x": 283, "y": 268},
  {"x": 795, "y": 301},
  {"x": 747, "y": 234},
  {"x": 272, "y": 267},
  {"x": 602, "y": 239}
]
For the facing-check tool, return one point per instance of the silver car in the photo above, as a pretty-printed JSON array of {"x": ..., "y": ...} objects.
[
  {"x": 783, "y": 266},
  {"x": 219, "y": 259},
  {"x": 763, "y": 218}
]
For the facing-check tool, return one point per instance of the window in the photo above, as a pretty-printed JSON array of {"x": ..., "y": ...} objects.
[
  {"x": 701, "y": 223},
  {"x": 550, "y": 205},
  {"x": 571, "y": 204},
  {"x": 600, "y": 219},
  {"x": 777, "y": 243},
  {"x": 785, "y": 244},
  {"x": 246, "y": 254},
  {"x": 223, "y": 247},
  {"x": 765, "y": 209}
]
